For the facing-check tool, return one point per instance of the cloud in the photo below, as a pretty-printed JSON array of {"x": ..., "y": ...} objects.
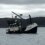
[
  {"x": 33, "y": 9},
  {"x": 22, "y": 1}
]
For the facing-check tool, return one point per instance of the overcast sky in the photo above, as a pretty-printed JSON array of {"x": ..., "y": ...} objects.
[
  {"x": 22, "y": 1},
  {"x": 33, "y": 7}
]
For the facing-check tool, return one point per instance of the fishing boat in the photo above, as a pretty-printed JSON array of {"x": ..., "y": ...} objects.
[{"x": 21, "y": 25}]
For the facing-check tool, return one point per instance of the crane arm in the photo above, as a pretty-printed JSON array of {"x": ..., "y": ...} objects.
[{"x": 17, "y": 15}]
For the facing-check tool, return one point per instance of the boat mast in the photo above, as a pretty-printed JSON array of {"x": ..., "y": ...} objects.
[{"x": 30, "y": 19}]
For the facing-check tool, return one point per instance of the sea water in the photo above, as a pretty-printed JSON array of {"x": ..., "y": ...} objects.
[{"x": 22, "y": 39}]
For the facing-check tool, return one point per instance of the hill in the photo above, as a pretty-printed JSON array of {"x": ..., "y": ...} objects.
[{"x": 39, "y": 20}]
